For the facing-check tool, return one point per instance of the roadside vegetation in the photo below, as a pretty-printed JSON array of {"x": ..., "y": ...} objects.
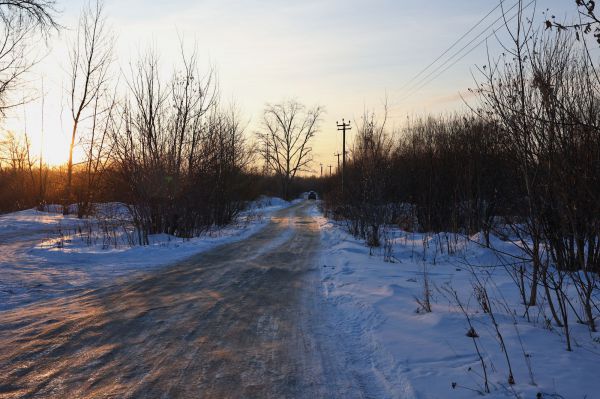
[
  {"x": 522, "y": 166},
  {"x": 164, "y": 144}
]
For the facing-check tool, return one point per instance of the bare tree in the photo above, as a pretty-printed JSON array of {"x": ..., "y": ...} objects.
[
  {"x": 192, "y": 98},
  {"x": 90, "y": 57},
  {"x": 20, "y": 21},
  {"x": 98, "y": 149},
  {"x": 288, "y": 129},
  {"x": 36, "y": 13}
]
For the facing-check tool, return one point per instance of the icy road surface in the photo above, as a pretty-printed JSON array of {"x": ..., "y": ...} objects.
[{"x": 244, "y": 320}]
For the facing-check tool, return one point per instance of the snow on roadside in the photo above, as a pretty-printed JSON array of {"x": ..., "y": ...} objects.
[
  {"x": 32, "y": 220},
  {"x": 43, "y": 255},
  {"x": 421, "y": 355}
]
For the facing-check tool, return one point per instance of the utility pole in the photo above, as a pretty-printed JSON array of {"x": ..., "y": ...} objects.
[
  {"x": 321, "y": 170},
  {"x": 330, "y": 166},
  {"x": 266, "y": 166},
  {"x": 338, "y": 157},
  {"x": 343, "y": 127}
]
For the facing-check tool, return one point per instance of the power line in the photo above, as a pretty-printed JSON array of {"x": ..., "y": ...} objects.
[
  {"x": 410, "y": 91},
  {"x": 473, "y": 48},
  {"x": 451, "y": 46},
  {"x": 425, "y": 81}
]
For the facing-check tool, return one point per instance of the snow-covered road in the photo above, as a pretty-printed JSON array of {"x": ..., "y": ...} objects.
[
  {"x": 242, "y": 320},
  {"x": 286, "y": 306}
]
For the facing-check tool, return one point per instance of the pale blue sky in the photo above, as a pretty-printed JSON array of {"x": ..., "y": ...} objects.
[{"x": 344, "y": 55}]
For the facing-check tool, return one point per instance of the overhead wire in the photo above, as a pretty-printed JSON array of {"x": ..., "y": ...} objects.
[
  {"x": 456, "y": 42},
  {"x": 443, "y": 67}
]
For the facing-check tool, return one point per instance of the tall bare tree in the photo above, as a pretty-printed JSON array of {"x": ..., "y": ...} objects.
[
  {"x": 90, "y": 58},
  {"x": 288, "y": 129}
]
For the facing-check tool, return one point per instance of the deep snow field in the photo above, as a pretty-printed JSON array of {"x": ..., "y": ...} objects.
[
  {"x": 421, "y": 355},
  {"x": 46, "y": 254}
]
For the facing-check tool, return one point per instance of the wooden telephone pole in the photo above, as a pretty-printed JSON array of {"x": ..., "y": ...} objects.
[
  {"x": 343, "y": 127},
  {"x": 330, "y": 166},
  {"x": 338, "y": 157}
]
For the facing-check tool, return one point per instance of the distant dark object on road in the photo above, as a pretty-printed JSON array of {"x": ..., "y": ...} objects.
[{"x": 312, "y": 195}]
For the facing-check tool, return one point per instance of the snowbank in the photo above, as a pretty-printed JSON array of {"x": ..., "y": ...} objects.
[
  {"x": 422, "y": 355},
  {"x": 32, "y": 220},
  {"x": 45, "y": 255}
]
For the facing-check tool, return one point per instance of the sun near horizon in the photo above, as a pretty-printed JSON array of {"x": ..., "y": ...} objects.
[{"x": 349, "y": 58}]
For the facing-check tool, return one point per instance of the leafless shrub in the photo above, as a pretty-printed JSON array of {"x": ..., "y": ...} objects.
[
  {"x": 453, "y": 297},
  {"x": 180, "y": 153},
  {"x": 543, "y": 95},
  {"x": 388, "y": 246},
  {"x": 424, "y": 301},
  {"x": 480, "y": 288}
]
